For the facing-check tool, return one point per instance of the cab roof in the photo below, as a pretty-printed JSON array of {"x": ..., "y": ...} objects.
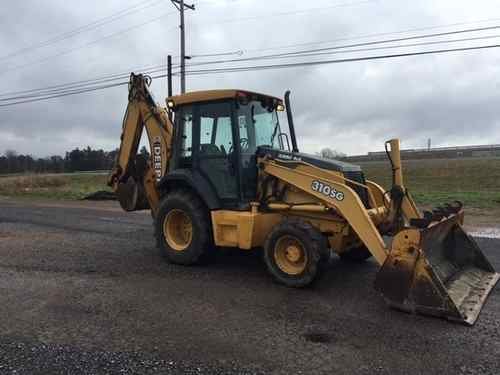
[{"x": 209, "y": 95}]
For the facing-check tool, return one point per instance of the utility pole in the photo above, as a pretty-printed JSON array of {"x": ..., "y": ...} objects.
[{"x": 180, "y": 5}]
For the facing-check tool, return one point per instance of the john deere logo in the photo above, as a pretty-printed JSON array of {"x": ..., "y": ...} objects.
[{"x": 157, "y": 158}]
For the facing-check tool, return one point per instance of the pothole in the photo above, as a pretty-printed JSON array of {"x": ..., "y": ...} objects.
[{"x": 318, "y": 337}]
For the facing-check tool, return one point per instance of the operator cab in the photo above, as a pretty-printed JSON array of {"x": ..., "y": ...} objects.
[{"x": 217, "y": 135}]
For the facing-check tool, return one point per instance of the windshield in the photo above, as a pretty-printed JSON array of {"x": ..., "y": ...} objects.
[{"x": 258, "y": 126}]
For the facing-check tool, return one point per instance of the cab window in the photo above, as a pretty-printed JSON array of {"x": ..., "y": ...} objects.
[
  {"x": 216, "y": 136},
  {"x": 259, "y": 126}
]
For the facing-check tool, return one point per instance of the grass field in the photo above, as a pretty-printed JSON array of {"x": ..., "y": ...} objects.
[
  {"x": 54, "y": 186},
  {"x": 476, "y": 182}
]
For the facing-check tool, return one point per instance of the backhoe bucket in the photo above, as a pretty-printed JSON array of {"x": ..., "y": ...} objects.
[{"x": 438, "y": 270}]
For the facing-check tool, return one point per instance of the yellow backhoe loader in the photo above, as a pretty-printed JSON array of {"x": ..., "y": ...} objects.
[{"x": 223, "y": 174}]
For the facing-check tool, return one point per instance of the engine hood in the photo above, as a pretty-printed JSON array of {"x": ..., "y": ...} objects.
[{"x": 328, "y": 164}]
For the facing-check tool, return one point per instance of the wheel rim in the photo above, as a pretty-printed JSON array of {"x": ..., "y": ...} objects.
[
  {"x": 290, "y": 255},
  {"x": 178, "y": 230}
]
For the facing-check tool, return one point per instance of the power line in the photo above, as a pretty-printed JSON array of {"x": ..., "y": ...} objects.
[
  {"x": 149, "y": 3},
  {"x": 292, "y": 13},
  {"x": 310, "y": 52},
  {"x": 327, "y": 62},
  {"x": 425, "y": 36},
  {"x": 230, "y": 53},
  {"x": 80, "y": 84},
  {"x": 65, "y": 94},
  {"x": 365, "y": 36},
  {"x": 84, "y": 85},
  {"x": 123, "y": 74},
  {"x": 62, "y": 93},
  {"x": 214, "y": 3},
  {"x": 344, "y": 48},
  {"x": 372, "y": 35},
  {"x": 64, "y": 89},
  {"x": 89, "y": 43},
  {"x": 158, "y": 68},
  {"x": 224, "y": 53},
  {"x": 395, "y": 46},
  {"x": 295, "y": 54},
  {"x": 88, "y": 27},
  {"x": 264, "y": 67}
]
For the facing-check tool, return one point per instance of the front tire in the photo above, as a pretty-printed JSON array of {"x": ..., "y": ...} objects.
[
  {"x": 293, "y": 252},
  {"x": 182, "y": 228}
]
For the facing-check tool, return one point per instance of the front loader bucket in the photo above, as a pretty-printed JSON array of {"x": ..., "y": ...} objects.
[{"x": 438, "y": 270}]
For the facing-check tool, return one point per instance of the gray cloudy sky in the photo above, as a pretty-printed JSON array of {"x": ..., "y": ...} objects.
[{"x": 351, "y": 107}]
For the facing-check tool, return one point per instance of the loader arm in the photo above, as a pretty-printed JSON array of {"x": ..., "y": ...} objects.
[
  {"x": 340, "y": 198},
  {"x": 133, "y": 179},
  {"x": 430, "y": 266}
]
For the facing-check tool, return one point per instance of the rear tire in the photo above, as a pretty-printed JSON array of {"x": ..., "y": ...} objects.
[
  {"x": 293, "y": 252},
  {"x": 182, "y": 228},
  {"x": 356, "y": 254}
]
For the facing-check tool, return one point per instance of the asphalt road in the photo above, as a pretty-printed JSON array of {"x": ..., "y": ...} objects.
[{"x": 83, "y": 290}]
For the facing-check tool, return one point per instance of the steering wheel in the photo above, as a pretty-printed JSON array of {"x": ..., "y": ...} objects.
[{"x": 244, "y": 145}]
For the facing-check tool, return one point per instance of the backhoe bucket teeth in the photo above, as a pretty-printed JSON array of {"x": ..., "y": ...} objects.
[{"x": 438, "y": 270}]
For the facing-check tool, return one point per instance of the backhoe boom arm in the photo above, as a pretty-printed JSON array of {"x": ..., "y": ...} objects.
[{"x": 133, "y": 178}]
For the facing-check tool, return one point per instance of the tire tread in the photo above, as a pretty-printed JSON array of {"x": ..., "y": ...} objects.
[
  {"x": 200, "y": 214},
  {"x": 318, "y": 250}
]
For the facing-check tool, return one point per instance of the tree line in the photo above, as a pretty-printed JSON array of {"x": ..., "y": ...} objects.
[{"x": 86, "y": 159}]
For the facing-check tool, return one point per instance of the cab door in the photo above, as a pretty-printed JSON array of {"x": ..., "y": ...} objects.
[{"x": 215, "y": 149}]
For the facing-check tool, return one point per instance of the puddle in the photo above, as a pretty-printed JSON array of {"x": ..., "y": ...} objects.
[{"x": 485, "y": 232}]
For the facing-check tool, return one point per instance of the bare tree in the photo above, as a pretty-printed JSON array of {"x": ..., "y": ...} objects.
[
  {"x": 10, "y": 154},
  {"x": 328, "y": 153}
]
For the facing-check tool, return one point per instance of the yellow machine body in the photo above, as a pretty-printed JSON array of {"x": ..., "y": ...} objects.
[{"x": 428, "y": 262}]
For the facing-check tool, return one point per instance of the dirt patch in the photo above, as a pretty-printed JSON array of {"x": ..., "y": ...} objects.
[{"x": 5, "y": 235}]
